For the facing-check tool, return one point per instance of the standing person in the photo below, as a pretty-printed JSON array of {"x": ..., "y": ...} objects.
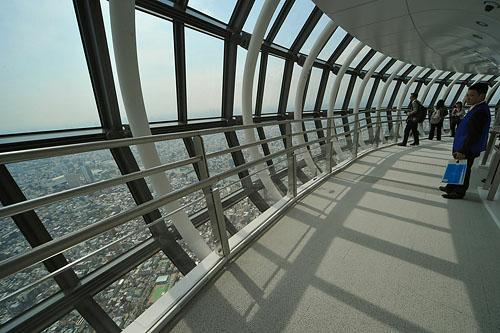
[
  {"x": 457, "y": 114},
  {"x": 437, "y": 119},
  {"x": 471, "y": 136},
  {"x": 412, "y": 121}
]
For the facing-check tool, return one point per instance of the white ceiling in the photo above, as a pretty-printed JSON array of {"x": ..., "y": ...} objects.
[{"x": 431, "y": 33}]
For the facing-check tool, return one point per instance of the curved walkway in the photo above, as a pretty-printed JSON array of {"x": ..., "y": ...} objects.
[{"x": 375, "y": 248}]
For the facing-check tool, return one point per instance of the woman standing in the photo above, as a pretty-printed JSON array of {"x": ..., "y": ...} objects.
[
  {"x": 457, "y": 114},
  {"x": 437, "y": 119}
]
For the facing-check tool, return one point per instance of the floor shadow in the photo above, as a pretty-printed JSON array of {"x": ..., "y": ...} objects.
[{"x": 272, "y": 292}]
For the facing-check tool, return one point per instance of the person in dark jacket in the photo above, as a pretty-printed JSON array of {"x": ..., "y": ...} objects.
[
  {"x": 412, "y": 122},
  {"x": 437, "y": 118},
  {"x": 471, "y": 137}
]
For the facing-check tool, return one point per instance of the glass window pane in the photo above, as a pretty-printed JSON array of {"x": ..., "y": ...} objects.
[
  {"x": 452, "y": 94},
  {"x": 156, "y": 65},
  {"x": 254, "y": 14},
  {"x": 294, "y": 21},
  {"x": 272, "y": 86},
  {"x": 394, "y": 67},
  {"x": 342, "y": 92},
  {"x": 347, "y": 52},
  {"x": 318, "y": 29},
  {"x": 332, "y": 43},
  {"x": 290, "y": 107},
  {"x": 361, "y": 54},
  {"x": 388, "y": 94},
  {"x": 382, "y": 65},
  {"x": 329, "y": 84},
  {"x": 415, "y": 71},
  {"x": 15, "y": 305},
  {"x": 477, "y": 77},
  {"x": 204, "y": 59},
  {"x": 42, "y": 177},
  {"x": 155, "y": 52},
  {"x": 273, "y": 18},
  {"x": 495, "y": 98},
  {"x": 430, "y": 95},
  {"x": 355, "y": 91},
  {"x": 312, "y": 89},
  {"x": 131, "y": 295},
  {"x": 454, "y": 76},
  {"x": 435, "y": 73},
  {"x": 44, "y": 79},
  {"x": 406, "y": 98},
  {"x": 72, "y": 322},
  {"x": 366, "y": 93},
  {"x": 372, "y": 61},
  {"x": 405, "y": 67},
  {"x": 220, "y": 10},
  {"x": 461, "y": 97}
]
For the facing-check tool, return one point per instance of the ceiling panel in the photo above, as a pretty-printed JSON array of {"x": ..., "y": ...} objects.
[{"x": 451, "y": 35}]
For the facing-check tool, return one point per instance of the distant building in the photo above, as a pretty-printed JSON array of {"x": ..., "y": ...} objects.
[
  {"x": 72, "y": 179},
  {"x": 87, "y": 173}
]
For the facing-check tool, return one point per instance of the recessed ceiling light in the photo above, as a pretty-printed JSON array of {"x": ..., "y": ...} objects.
[
  {"x": 477, "y": 36},
  {"x": 482, "y": 24}
]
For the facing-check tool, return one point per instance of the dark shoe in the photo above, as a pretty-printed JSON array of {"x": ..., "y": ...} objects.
[
  {"x": 452, "y": 195},
  {"x": 414, "y": 144},
  {"x": 444, "y": 188},
  {"x": 401, "y": 144}
]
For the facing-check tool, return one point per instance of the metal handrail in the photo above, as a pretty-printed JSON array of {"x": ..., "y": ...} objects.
[
  {"x": 59, "y": 245},
  {"x": 77, "y": 148},
  {"x": 24, "y": 206}
]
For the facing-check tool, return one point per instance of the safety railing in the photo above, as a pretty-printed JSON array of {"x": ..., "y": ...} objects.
[{"x": 339, "y": 139}]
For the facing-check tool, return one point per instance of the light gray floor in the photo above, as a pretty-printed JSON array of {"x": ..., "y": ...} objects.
[{"x": 374, "y": 249}]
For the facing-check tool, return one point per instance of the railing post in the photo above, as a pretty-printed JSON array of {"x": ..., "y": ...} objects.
[
  {"x": 291, "y": 162},
  {"x": 212, "y": 197},
  {"x": 369, "y": 126},
  {"x": 398, "y": 125},
  {"x": 356, "y": 136},
  {"x": 329, "y": 126},
  {"x": 220, "y": 221},
  {"x": 378, "y": 129},
  {"x": 489, "y": 146},
  {"x": 493, "y": 179},
  {"x": 493, "y": 136}
]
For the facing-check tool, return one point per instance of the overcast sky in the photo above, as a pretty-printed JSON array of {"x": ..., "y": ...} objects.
[{"x": 44, "y": 80}]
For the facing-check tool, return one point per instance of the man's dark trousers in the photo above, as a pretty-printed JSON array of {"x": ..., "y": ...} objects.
[
  {"x": 411, "y": 126},
  {"x": 461, "y": 189}
]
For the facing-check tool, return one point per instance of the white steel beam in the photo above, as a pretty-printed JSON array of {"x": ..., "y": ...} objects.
[
  {"x": 122, "y": 15},
  {"x": 304, "y": 75}
]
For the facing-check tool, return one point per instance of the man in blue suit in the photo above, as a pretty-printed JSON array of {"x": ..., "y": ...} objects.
[{"x": 471, "y": 136}]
